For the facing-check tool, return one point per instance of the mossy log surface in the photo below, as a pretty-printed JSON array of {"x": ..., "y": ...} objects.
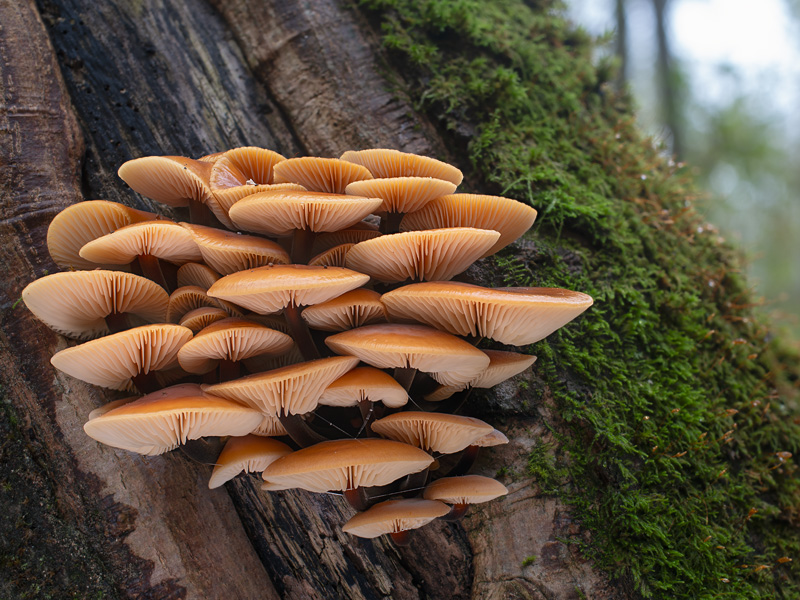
[{"x": 643, "y": 446}]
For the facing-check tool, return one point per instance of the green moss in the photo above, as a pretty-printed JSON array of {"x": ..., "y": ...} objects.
[
  {"x": 529, "y": 560},
  {"x": 675, "y": 402}
]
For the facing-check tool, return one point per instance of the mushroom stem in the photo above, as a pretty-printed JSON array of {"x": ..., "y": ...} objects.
[
  {"x": 464, "y": 464},
  {"x": 146, "y": 383},
  {"x": 368, "y": 415},
  {"x": 400, "y": 538},
  {"x": 151, "y": 268},
  {"x": 405, "y": 376},
  {"x": 118, "y": 322},
  {"x": 300, "y": 333},
  {"x": 413, "y": 483},
  {"x": 229, "y": 369},
  {"x": 391, "y": 222},
  {"x": 200, "y": 214},
  {"x": 456, "y": 513},
  {"x": 299, "y": 430},
  {"x": 358, "y": 499},
  {"x": 203, "y": 450},
  {"x": 302, "y": 242}
]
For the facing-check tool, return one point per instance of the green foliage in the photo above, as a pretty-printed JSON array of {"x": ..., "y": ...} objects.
[
  {"x": 675, "y": 402},
  {"x": 529, "y": 560}
]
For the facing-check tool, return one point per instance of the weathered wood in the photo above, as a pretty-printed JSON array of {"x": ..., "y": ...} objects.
[{"x": 172, "y": 77}]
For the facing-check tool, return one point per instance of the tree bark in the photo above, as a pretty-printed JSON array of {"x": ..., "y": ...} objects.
[{"x": 89, "y": 85}]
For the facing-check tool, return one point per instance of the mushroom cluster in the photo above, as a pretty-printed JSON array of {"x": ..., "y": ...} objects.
[{"x": 333, "y": 324}]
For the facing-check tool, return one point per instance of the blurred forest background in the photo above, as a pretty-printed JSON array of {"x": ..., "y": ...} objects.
[{"x": 717, "y": 84}]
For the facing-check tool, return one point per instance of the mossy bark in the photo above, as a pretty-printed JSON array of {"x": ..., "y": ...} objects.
[{"x": 639, "y": 445}]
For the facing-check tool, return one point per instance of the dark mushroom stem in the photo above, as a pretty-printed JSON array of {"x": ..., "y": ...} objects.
[
  {"x": 205, "y": 451},
  {"x": 299, "y": 431},
  {"x": 358, "y": 498},
  {"x": 457, "y": 511},
  {"x": 302, "y": 242},
  {"x": 413, "y": 483},
  {"x": 146, "y": 383},
  {"x": 400, "y": 538},
  {"x": 151, "y": 268},
  {"x": 117, "y": 322},
  {"x": 229, "y": 369},
  {"x": 391, "y": 222},
  {"x": 464, "y": 464},
  {"x": 369, "y": 412},
  {"x": 300, "y": 333},
  {"x": 200, "y": 214},
  {"x": 405, "y": 376}
]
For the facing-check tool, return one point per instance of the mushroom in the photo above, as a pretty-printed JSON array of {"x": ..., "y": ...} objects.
[
  {"x": 433, "y": 432},
  {"x": 227, "y": 252},
  {"x": 508, "y": 217},
  {"x": 267, "y": 290},
  {"x": 302, "y": 214},
  {"x": 250, "y": 453},
  {"x": 348, "y": 466},
  {"x": 462, "y": 491},
  {"x": 83, "y": 222},
  {"x": 129, "y": 356},
  {"x": 395, "y": 518},
  {"x": 514, "y": 316},
  {"x": 197, "y": 274},
  {"x": 146, "y": 242},
  {"x": 162, "y": 420},
  {"x": 198, "y": 318},
  {"x": 436, "y": 254},
  {"x": 334, "y": 257},
  {"x": 88, "y": 304},
  {"x": 329, "y": 175},
  {"x": 176, "y": 181},
  {"x": 352, "y": 309},
  {"x": 287, "y": 392},
  {"x": 385, "y": 163},
  {"x": 401, "y": 195},
  {"x": 448, "y": 359},
  {"x": 190, "y": 297},
  {"x": 226, "y": 342}
]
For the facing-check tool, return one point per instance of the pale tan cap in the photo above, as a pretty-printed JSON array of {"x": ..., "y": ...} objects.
[
  {"x": 402, "y": 194},
  {"x": 345, "y": 465},
  {"x": 433, "y": 432},
  {"x": 250, "y": 453},
  {"x": 199, "y": 318},
  {"x": 508, "y": 217},
  {"x": 515, "y": 316},
  {"x": 172, "y": 180},
  {"x": 163, "y": 239},
  {"x": 268, "y": 290},
  {"x": 385, "y": 163},
  {"x": 280, "y": 213},
  {"x": 197, "y": 274},
  {"x": 329, "y": 175},
  {"x": 364, "y": 384},
  {"x": 468, "y": 489},
  {"x": 434, "y": 255},
  {"x": 190, "y": 297},
  {"x": 448, "y": 359},
  {"x": 113, "y": 360},
  {"x": 77, "y": 303},
  {"x": 352, "y": 309},
  {"x": 394, "y": 516},
  {"x": 83, "y": 222},
  {"x": 163, "y": 420},
  {"x": 228, "y": 252},
  {"x": 334, "y": 257},
  {"x": 495, "y": 438},
  {"x": 289, "y": 390},
  {"x": 231, "y": 339},
  {"x": 326, "y": 241}
]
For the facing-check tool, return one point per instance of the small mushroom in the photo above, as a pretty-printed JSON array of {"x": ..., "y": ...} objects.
[
  {"x": 395, "y": 518},
  {"x": 463, "y": 491},
  {"x": 250, "y": 453}
]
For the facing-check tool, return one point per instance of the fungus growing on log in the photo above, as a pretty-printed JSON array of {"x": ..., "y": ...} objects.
[{"x": 292, "y": 391}]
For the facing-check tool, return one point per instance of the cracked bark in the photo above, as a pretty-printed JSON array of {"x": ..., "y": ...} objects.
[{"x": 86, "y": 86}]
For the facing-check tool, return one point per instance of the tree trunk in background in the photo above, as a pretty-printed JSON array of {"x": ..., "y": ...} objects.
[{"x": 666, "y": 80}]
